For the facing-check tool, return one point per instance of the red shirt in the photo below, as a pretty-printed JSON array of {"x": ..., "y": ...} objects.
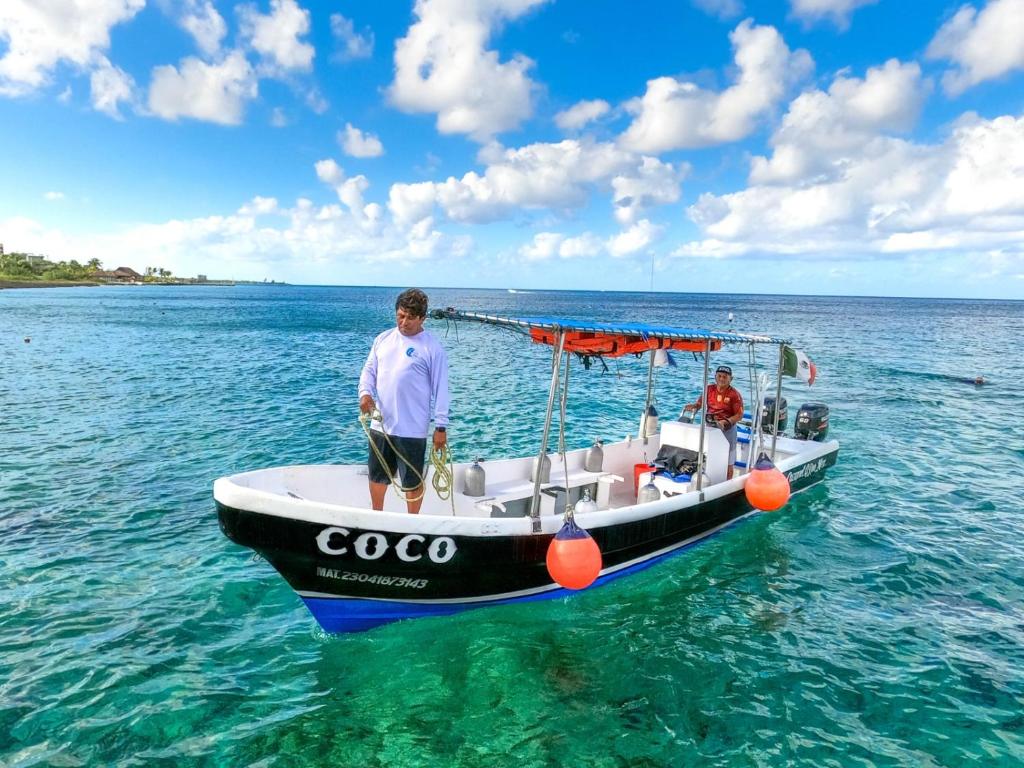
[{"x": 723, "y": 404}]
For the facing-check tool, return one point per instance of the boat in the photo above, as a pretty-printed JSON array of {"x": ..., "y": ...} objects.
[{"x": 356, "y": 568}]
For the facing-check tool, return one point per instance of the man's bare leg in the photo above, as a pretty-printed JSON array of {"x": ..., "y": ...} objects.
[
  {"x": 377, "y": 491},
  {"x": 416, "y": 493}
]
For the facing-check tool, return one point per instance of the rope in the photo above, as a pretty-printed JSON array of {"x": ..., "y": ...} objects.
[{"x": 442, "y": 480}]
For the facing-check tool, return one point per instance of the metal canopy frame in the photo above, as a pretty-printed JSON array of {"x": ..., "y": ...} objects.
[{"x": 559, "y": 327}]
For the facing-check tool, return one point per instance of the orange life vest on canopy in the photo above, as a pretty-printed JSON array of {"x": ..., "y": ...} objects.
[{"x": 616, "y": 345}]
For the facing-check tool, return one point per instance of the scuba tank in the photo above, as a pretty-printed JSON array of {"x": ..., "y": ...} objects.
[
  {"x": 649, "y": 422},
  {"x": 475, "y": 480},
  {"x": 649, "y": 492},
  {"x": 594, "y": 458},
  {"x": 585, "y": 504},
  {"x": 545, "y": 469}
]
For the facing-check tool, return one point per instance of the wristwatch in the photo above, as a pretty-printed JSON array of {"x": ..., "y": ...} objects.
[{"x": 440, "y": 429}]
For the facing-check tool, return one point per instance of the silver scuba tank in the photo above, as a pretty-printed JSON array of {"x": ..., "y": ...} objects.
[
  {"x": 594, "y": 459},
  {"x": 475, "y": 480},
  {"x": 648, "y": 493},
  {"x": 545, "y": 469},
  {"x": 585, "y": 504},
  {"x": 649, "y": 422}
]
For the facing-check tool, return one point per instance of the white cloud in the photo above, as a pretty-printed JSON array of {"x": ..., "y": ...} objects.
[
  {"x": 586, "y": 244},
  {"x": 359, "y": 144},
  {"x": 329, "y": 172},
  {"x": 316, "y": 101},
  {"x": 723, "y": 9},
  {"x": 549, "y": 245},
  {"x": 259, "y": 206},
  {"x": 821, "y": 127},
  {"x": 212, "y": 92},
  {"x": 581, "y": 113},
  {"x": 109, "y": 86},
  {"x": 353, "y": 45},
  {"x": 205, "y": 24},
  {"x": 349, "y": 191},
  {"x": 543, "y": 246},
  {"x": 442, "y": 65},
  {"x": 982, "y": 45},
  {"x": 278, "y": 119},
  {"x": 677, "y": 114},
  {"x": 53, "y": 196},
  {"x": 652, "y": 183},
  {"x": 411, "y": 203},
  {"x": 41, "y": 35},
  {"x": 276, "y": 36},
  {"x": 556, "y": 176},
  {"x": 884, "y": 195},
  {"x": 838, "y": 11},
  {"x": 634, "y": 239}
]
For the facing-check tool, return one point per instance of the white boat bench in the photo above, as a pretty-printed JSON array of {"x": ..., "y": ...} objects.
[{"x": 501, "y": 496}]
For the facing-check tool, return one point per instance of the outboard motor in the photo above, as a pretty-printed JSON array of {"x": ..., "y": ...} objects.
[
  {"x": 772, "y": 419},
  {"x": 475, "y": 480},
  {"x": 594, "y": 459},
  {"x": 811, "y": 422}
]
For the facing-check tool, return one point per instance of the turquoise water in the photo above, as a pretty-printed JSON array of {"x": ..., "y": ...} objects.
[{"x": 876, "y": 620}]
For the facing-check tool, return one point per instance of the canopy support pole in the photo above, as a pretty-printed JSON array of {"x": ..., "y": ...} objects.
[
  {"x": 650, "y": 392},
  {"x": 563, "y": 400},
  {"x": 778, "y": 396},
  {"x": 703, "y": 420},
  {"x": 556, "y": 366},
  {"x": 755, "y": 407}
]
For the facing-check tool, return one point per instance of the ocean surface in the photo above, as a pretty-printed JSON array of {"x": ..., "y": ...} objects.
[{"x": 877, "y": 620}]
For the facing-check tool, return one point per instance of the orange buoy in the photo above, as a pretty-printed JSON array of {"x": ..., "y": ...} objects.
[
  {"x": 767, "y": 488},
  {"x": 574, "y": 559}
]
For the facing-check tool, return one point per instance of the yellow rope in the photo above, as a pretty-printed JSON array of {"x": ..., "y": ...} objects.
[{"x": 440, "y": 459}]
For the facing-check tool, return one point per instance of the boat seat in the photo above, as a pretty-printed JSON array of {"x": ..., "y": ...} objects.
[{"x": 510, "y": 493}]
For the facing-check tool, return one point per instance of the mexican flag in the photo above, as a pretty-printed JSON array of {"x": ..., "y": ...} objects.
[{"x": 798, "y": 365}]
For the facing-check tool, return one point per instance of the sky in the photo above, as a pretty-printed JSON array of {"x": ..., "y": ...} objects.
[{"x": 830, "y": 147}]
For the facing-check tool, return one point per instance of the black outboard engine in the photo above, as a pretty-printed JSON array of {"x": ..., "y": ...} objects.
[
  {"x": 770, "y": 420},
  {"x": 811, "y": 422}
]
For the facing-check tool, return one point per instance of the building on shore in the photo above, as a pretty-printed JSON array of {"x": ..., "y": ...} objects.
[{"x": 119, "y": 275}]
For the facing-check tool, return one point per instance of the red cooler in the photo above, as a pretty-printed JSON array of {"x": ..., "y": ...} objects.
[{"x": 639, "y": 469}]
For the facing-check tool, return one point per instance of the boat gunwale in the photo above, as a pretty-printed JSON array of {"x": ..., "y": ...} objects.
[{"x": 231, "y": 494}]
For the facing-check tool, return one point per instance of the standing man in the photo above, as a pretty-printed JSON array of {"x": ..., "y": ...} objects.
[
  {"x": 724, "y": 408},
  {"x": 405, "y": 373}
]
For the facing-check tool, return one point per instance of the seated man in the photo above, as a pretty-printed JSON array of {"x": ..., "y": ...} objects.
[{"x": 723, "y": 408}]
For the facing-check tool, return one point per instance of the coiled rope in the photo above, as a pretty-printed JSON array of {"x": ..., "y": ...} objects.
[{"x": 441, "y": 481}]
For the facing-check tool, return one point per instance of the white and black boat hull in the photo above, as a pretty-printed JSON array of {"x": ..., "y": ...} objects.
[{"x": 359, "y": 571}]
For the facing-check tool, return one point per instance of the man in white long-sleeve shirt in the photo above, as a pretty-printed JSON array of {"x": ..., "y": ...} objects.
[{"x": 404, "y": 375}]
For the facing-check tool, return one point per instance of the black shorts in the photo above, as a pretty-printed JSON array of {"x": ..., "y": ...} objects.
[{"x": 414, "y": 449}]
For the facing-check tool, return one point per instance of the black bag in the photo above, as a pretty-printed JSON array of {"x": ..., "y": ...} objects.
[{"x": 676, "y": 461}]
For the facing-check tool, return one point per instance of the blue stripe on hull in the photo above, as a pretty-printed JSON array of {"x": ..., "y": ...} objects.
[{"x": 346, "y": 614}]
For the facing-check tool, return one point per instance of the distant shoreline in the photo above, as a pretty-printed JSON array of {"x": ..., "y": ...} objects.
[
  {"x": 46, "y": 284},
  {"x": 92, "y": 284}
]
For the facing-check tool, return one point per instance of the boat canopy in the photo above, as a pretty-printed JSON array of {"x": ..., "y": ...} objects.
[{"x": 588, "y": 337}]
